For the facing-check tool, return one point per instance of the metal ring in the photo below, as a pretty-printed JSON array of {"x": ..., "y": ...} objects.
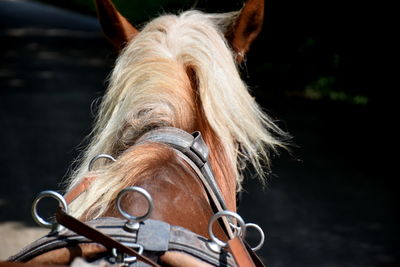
[
  {"x": 52, "y": 194},
  {"x": 101, "y": 156},
  {"x": 144, "y": 193},
  {"x": 262, "y": 239},
  {"x": 222, "y": 214}
]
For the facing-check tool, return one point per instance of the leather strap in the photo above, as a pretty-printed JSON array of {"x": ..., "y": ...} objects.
[
  {"x": 257, "y": 261},
  {"x": 178, "y": 239},
  {"x": 97, "y": 236},
  {"x": 239, "y": 252},
  {"x": 77, "y": 190},
  {"x": 194, "y": 151},
  {"x": 243, "y": 254},
  {"x": 192, "y": 146},
  {"x": 210, "y": 193}
]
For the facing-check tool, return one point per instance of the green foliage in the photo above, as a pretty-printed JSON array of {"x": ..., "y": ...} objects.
[{"x": 324, "y": 87}]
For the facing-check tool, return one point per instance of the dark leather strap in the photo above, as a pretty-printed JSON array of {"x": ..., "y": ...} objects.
[{"x": 97, "y": 236}]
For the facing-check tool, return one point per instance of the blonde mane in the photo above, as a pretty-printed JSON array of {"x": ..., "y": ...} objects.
[{"x": 150, "y": 86}]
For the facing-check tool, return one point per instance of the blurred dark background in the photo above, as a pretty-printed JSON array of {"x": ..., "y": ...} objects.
[{"x": 316, "y": 68}]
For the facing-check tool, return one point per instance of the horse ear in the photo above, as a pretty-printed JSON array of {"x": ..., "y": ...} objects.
[
  {"x": 246, "y": 27},
  {"x": 116, "y": 28}
]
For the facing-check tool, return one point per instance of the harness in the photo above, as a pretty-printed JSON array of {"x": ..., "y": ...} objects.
[
  {"x": 141, "y": 241},
  {"x": 194, "y": 151}
]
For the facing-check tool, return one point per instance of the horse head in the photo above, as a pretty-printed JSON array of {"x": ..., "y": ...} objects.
[{"x": 178, "y": 71}]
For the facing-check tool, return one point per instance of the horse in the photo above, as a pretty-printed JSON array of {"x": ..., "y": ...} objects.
[{"x": 177, "y": 75}]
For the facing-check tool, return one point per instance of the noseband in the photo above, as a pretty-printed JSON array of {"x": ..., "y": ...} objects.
[{"x": 149, "y": 239}]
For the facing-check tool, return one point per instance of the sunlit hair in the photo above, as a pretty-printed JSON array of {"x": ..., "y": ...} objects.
[{"x": 150, "y": 87}]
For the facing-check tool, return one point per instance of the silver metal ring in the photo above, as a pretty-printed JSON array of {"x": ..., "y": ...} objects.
[
  {"x": 101, "y": 156},
  {"x": 52, "y": 194},
  {"x": 225, "y": 213},
  {"x": 259, "y": 229},
  {"x": 144, "y": 193}
]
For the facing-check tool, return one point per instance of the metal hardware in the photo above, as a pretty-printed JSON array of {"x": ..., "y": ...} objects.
[
  {"x": 216, "y": 244},
  {"x": 235, "y": 229},
  {"x": 262, "y": 239},
  {"x": 101, "y": 156},
  {"x": 214, "y": 247},
  {"x": 133, "y": 221},
  {"x": 122, "y": 258},
  {"x": 39, "y": 220}
]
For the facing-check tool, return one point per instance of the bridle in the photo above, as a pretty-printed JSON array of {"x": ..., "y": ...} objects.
[{"x": 141, "y": 239}]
